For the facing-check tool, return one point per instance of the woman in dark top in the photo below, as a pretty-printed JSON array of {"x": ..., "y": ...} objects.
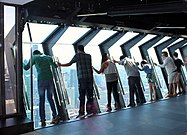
[{"x": 178, "y": 62}]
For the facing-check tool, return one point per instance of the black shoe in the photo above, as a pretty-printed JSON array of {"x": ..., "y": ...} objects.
[
  {"x": 117, "y": 106},
  {"x": 142, "y": 102},
  {"x": 80, "y": 116},
  {"x": 137, "y": 101},
  {"x": 43, "y": 124},
  {"x": 179, "y": 92},
  {"x": 131, "y": 105}
]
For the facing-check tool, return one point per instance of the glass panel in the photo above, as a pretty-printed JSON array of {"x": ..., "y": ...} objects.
[
  {"x": 152, "y": 54},
  {"x": 125, "y": 38},
  {"x": 136, "y": 55},
  {"x": 71, "y": 35},
  {"x": 178, "y": 40},
  {"x": 10, "y": 74},
  {"x": 101, "y": 36},
  {"x": 38, "y": 31},
  {"x": 27, "y": 87},
  {"x": 65, "y": 53}
]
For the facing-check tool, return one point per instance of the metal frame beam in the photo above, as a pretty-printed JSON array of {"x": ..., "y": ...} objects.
[
  {"x": 144, "y": 47},
  {"x": 86, "y": 38},
  {"x": 176, "y": 46},
  {"x": 19, "y": 60},
  {"x": 2, "y": 78},
  {"x": 105, "y": 45},
  {"x": 50, "y": 41},
  {"x": 129, "y": 44},
  {"x": 157, "y": 8}
]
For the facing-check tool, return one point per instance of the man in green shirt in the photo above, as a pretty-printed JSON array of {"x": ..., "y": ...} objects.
[{"x": 45, "y": 82}]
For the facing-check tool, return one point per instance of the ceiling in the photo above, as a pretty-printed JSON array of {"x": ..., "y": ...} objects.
[
  {"x": 154, "y": 16},
  {"x": 17, "y": 2}
]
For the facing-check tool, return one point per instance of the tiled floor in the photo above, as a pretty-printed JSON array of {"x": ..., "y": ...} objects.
[{"x": 166, "y": 117}]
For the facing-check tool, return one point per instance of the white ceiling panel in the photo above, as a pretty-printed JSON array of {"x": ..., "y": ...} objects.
[{"x": 18, "y": 2}]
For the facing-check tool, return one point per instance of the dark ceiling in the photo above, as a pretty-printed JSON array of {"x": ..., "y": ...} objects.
[{"x": 154, "y": 16}]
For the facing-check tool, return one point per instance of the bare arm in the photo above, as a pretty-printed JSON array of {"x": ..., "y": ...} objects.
[
  {"x": 115, "y": 61},
  {"x": 103, "y": 66},
  {"x": 164, "y": 64},
  {"x": 64, "y": 65}
]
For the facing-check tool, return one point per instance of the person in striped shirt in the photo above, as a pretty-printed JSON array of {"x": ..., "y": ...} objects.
[{"x": 85, "y": 79}]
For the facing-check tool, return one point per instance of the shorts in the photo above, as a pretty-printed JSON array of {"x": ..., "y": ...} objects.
[
  {"x": 178, "y": 76},
  {"x": 151, "y": 78},
  {"x": 172, "y": 78}
]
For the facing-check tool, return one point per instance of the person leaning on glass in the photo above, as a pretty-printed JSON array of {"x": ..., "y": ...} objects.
[
  {"x": 111, "y": 76},
  {"x": 85, "y": 80},
  {"x": 42, "y": 63}
]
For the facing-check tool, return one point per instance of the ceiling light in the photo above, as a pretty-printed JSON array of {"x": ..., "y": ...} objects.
[
  {"x": 94, "y": 14},
  {"x": 171, "y": 27}
]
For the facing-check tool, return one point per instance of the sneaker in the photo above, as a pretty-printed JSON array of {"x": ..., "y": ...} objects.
[
  {"x": 43, "y": 124},
  {"x": 179, "y": 93},
  {"x": 143, "y": 101},
  {"x": 55, "y": 120},
  {"x": 131, "y": 105}
]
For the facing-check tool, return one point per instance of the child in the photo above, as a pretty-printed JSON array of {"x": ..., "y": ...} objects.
[{"x": 150, "y": 77}]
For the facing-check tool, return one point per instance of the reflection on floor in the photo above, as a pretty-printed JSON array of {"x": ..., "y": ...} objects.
[{"x": 167, "y": 117}]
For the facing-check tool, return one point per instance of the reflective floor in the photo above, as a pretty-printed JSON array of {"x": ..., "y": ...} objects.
[{"x": 166, "y": 117}]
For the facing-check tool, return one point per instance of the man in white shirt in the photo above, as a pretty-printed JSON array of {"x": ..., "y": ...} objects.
[
  {"x": 170, "y": 67},
  {"x": 133, "y": 81}
]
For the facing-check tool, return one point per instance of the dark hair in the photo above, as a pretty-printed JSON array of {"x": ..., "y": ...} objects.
[
  {"x": 36, "y": 52},
  {"x": 80, "y": 48},
  {"x": 122, "y": 57},
  {"x": 175, "y": 54},
  {"x": 143, "y": 62},
  {"x": 104, "y": 57},
  {"x": 165, "y": 54}
]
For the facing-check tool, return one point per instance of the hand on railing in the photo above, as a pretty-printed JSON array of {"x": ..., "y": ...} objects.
[{"x": 155, "y": 64}]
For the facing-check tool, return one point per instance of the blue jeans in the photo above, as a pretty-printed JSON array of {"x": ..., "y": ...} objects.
[{"x": 44, "y": 85}]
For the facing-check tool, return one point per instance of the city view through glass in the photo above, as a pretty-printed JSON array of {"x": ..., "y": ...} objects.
[{"x": 64, "y": 50}]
